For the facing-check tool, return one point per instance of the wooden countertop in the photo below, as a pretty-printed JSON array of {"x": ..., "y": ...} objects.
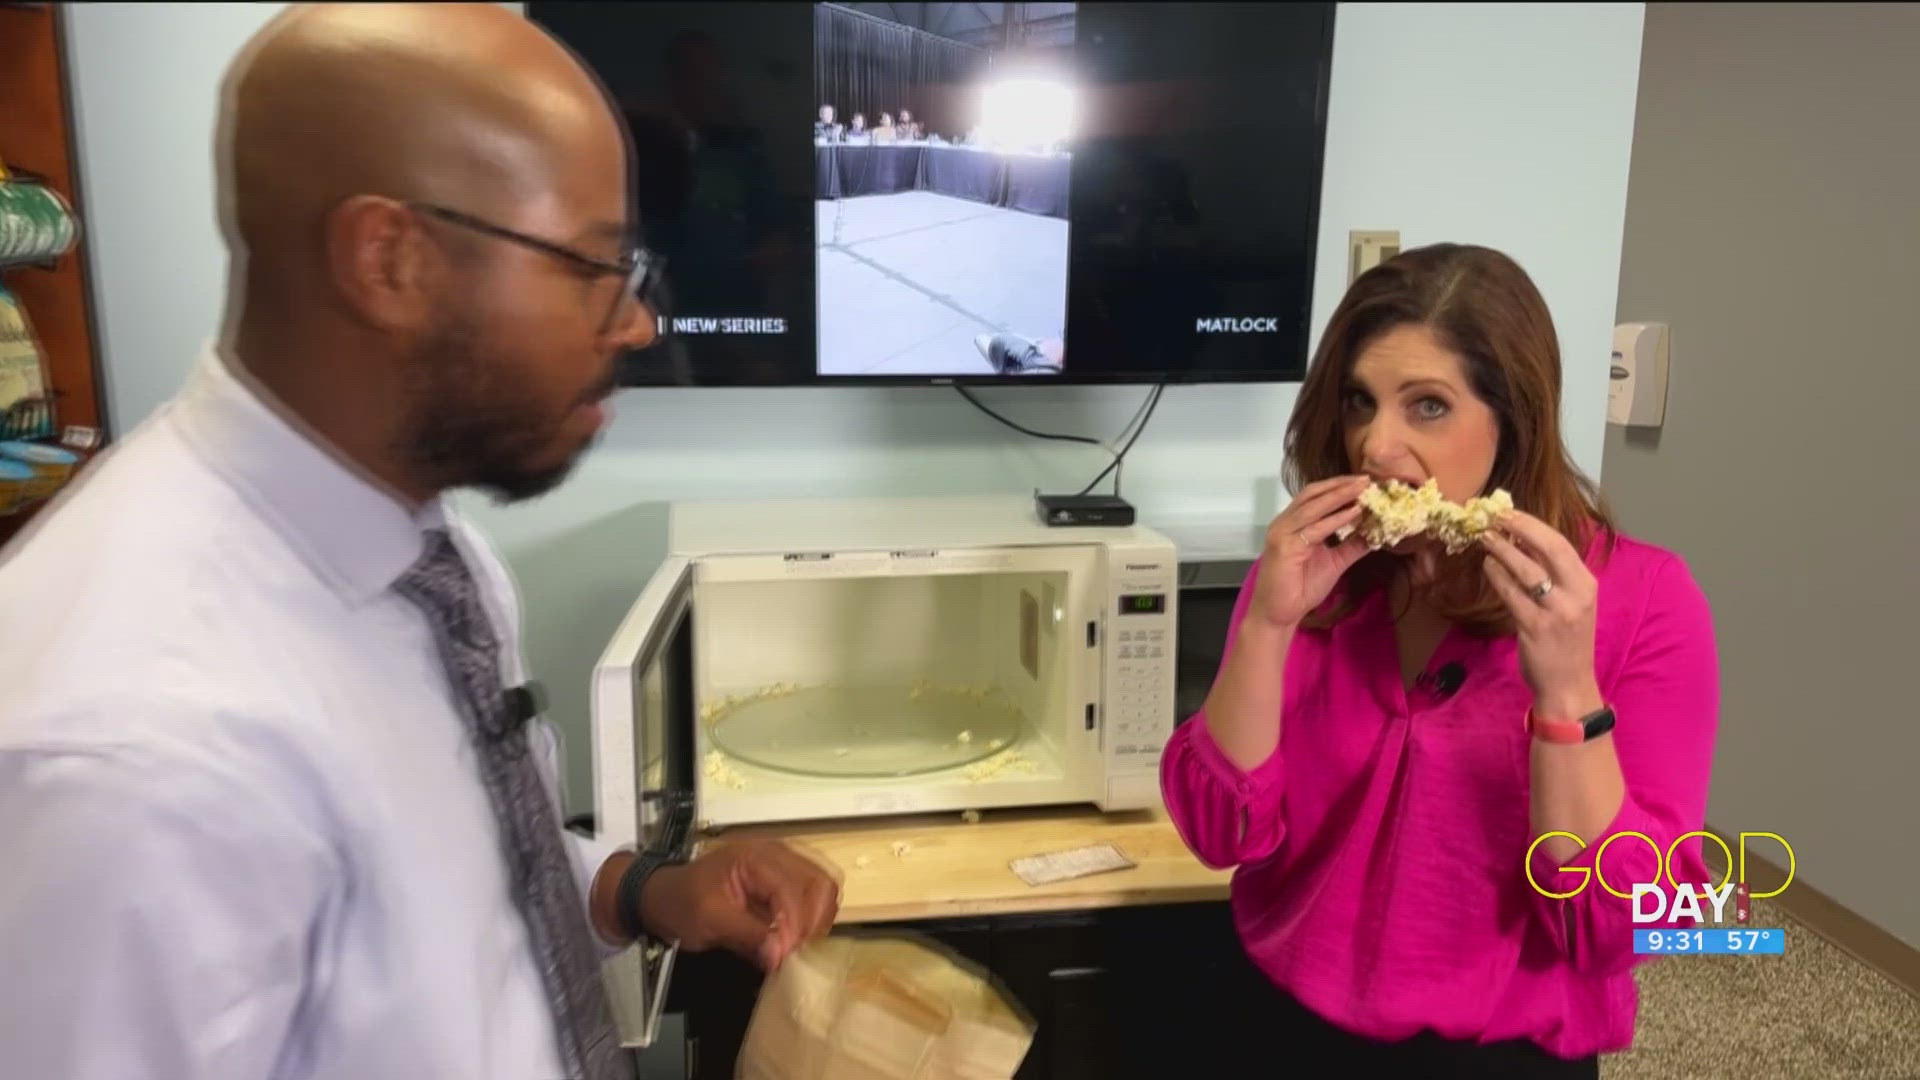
[{"x": 955, "y": 868}]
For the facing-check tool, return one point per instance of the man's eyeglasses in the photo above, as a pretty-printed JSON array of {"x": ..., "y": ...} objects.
[{"x": 639, "y": 267}]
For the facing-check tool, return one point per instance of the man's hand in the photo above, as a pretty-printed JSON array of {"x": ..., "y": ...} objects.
[{"x": 760, "y": 898}]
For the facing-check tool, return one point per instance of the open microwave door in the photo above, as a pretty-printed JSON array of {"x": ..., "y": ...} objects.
[{"x": 643, "y": 769}]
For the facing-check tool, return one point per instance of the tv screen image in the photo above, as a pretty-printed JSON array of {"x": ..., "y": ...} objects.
[
  {"x": 969, "y": 193},
  {"x": 942, "y": 234}
]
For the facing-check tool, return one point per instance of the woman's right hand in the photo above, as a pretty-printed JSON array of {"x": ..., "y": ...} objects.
[{"x": 1298, "y": 570}]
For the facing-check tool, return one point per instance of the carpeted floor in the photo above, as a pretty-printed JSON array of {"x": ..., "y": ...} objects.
[{"x": 1813, "y": 1013}]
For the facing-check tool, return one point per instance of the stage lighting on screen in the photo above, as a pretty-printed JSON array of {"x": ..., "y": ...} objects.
[{"x": 1029, "y": 112}]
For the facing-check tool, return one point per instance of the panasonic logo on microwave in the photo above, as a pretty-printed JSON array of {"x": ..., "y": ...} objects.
[
  {"x": 807, "y": 556},
  {"x": 1143, "y": 566}
]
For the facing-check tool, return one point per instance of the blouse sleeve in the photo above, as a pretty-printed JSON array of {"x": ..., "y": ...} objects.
[
  {"x": 1226, "y": 815},
  {"x": 1667, "y": 699}
]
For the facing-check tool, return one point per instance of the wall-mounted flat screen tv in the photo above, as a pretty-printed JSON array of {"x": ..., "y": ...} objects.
[{"x": 969, "y": 193}]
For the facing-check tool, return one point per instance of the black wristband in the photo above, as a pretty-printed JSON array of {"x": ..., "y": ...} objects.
[{"x": 626, "y": 896}]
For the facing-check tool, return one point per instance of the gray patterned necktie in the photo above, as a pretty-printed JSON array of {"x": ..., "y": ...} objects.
[{"x": 541, "y": 875}]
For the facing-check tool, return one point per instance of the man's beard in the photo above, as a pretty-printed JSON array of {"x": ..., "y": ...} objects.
[{"x": 469, "y": 426}]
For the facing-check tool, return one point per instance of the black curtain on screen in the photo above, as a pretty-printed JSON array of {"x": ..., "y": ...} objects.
[{"x": 862, "y": 64}]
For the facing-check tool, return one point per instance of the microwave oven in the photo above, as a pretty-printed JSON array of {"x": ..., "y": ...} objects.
[
  {"x": 831, "y": 658},
  {"x": 802, "y": 659}
]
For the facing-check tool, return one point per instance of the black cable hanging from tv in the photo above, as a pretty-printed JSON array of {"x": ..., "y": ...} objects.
[{"x": 1136, "y": 425}]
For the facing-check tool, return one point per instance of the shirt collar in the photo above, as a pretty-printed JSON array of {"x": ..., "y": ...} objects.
[{"x": 354, "y": 533}]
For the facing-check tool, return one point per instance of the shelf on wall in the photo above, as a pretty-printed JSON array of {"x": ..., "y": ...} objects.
[
  {"x": 36, "y": 141},
  {"x": 29, "y": 264}
]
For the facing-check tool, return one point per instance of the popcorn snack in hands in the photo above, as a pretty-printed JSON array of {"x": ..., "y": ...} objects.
[{"x": 1394, "y": 511}]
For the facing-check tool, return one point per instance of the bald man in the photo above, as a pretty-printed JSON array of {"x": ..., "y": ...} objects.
[{"x": 265, "y": 807}]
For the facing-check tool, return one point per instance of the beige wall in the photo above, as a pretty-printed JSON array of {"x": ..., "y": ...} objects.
[{"x": 1773, "y": 219}]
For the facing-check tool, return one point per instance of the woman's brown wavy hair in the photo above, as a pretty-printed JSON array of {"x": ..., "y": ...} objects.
[{"x": 1482, "y": 306}]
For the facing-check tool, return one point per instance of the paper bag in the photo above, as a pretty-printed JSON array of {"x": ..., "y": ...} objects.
[{"x": 872, "y": 1007}]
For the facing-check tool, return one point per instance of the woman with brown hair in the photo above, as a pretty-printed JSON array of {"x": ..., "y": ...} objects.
[{"x": 1390, "y": 731}]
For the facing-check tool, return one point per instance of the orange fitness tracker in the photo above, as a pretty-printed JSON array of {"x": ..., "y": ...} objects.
[{"x": 1591, "y": 726}]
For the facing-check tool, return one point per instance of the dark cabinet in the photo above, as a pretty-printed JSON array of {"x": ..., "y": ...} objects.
[{"x": 1152, "y": 991}]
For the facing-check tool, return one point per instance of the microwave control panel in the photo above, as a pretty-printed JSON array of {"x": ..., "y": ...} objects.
[{"x": 1140, "y": 651}]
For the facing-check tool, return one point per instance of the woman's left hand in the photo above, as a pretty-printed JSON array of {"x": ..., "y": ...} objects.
[{"x": 1555, "y": 629}]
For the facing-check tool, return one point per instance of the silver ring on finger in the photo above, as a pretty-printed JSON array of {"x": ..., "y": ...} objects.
[{"x": 1541, "y": 590}]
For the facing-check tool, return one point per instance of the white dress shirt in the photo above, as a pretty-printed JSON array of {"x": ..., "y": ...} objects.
[{"x": 242, "y": 834}]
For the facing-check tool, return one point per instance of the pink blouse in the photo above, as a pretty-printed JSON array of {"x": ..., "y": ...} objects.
[{"x": 1378, "y": 854}]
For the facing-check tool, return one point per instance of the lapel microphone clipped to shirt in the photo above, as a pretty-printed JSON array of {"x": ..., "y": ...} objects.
[
  {"x": 1444, "y": 683},
  {"x": 523, "y": 703}
]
